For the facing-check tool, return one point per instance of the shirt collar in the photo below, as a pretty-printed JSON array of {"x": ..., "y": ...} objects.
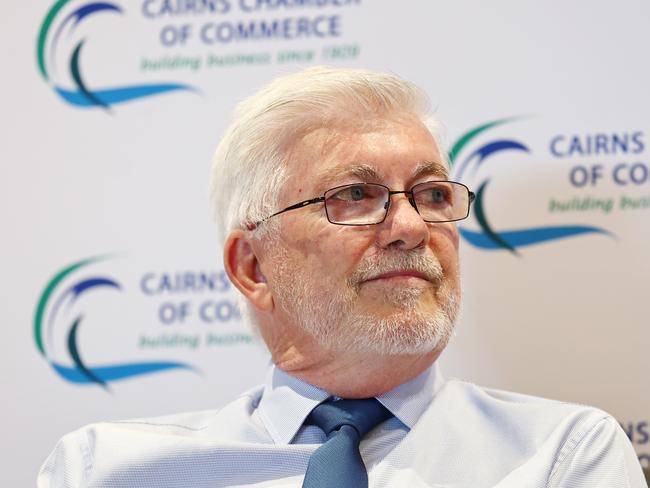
[
  {"x": 287, "y": 401},
  {"x": 409, "y": 400}
]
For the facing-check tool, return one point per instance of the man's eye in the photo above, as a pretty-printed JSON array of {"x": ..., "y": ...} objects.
[
  {"x": 438, "y": 195},
  {"x": 351, "y": 193},
  {"x": 357, "y": 193}
]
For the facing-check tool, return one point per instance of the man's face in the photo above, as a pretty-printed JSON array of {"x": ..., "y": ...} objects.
[{"x": 389, "y": 288}]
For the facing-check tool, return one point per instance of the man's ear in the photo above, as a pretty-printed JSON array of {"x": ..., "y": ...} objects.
[{"x": 243, "y": 268}]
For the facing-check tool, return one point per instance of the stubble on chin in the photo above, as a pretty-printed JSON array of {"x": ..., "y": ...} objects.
[
  {"x": 329, "y": 312},
  {"x": 401, "y": 298}
]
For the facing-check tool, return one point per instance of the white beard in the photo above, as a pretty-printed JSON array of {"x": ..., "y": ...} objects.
[{"x": 326, "y": 310}]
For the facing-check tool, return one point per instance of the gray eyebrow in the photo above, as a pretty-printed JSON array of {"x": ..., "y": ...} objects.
[
  {"x": 431, "y": 168},
  {"x": 364, "y": 172},
  {"x": 367, "y": 173}
]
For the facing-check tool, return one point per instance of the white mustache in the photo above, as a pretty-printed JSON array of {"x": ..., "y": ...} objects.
[{"x": 379, "y": 264}]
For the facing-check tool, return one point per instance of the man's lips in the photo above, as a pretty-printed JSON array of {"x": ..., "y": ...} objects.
[{"x": 400, "y": 274}]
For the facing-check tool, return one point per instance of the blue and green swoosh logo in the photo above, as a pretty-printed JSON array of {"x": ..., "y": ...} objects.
[
  {"x": 487, "y": 237},
  {"x": 57, "y": 298},
  {"x": 48, "y": 53}
]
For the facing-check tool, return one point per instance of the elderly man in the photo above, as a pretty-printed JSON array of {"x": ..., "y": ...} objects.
[{"x": 339, "y": 224}]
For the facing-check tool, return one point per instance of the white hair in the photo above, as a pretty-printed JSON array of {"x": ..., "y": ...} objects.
[{"x": 248, "y": 168}]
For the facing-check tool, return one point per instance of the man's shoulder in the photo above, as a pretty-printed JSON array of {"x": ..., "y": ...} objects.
[
  {"x": 528, "y": 437},
  {"x": 221, "y": 420},
  {"x": 504, "y": 399},
  {"x": 525, "y": 419},
  {"x": 103, "y": 450},
  {"x": 498, "y": 403}
]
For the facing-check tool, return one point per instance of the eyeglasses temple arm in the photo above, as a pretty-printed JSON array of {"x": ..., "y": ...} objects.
[{"x": 304, "y": 203}]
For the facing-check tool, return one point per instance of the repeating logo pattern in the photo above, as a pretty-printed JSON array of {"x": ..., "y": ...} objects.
[
  {"x": 487, "y": 237},
  {"x": 57, "y": 299},
  {"x": 52, "y": 67}
]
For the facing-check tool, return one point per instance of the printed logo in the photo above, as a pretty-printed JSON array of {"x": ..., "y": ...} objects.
[
  {"x": 464, "y": 160},
  {"x": 638, "y": 431},
  {"x": 65, "y": 74},
  {"x": 57, "y": 307},
  {"x": 182, "y": 40}
]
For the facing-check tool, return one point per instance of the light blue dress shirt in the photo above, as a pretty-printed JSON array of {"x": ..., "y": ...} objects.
[{"x": 443, "y": 434}]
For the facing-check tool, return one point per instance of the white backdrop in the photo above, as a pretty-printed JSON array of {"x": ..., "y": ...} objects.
[{"x": 96, "y": 174}]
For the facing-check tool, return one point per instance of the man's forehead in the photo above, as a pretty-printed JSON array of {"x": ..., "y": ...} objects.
[{"x": 367, "y": 172}]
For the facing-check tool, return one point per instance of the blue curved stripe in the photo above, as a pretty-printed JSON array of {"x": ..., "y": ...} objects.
[
  {"x": 75, "y": 72},
  {"x": 76, "y": 357},
  {"x": 487, "y": 150},
  {"x": 118, "y": 371},
  {"x": 90, "y": 283},
  {"x": 91, "y": 8},
  {"x": 112, "y": 96},
  {"x": 481, "y": 218},
  {"x": 78, "y": 15},
  {"x": 73, "y": 292},
  {"x": 497, "y": 146},
  {"x": 529, "y": 237}
]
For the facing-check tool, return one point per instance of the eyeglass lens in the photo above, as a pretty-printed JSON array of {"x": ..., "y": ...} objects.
[{"x": 368, "y": 203}]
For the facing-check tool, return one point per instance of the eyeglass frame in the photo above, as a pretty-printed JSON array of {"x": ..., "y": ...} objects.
[{"x": 471, "y": 196}]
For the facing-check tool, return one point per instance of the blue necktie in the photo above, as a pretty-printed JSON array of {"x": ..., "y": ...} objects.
[{"x": 337, "y": 463}]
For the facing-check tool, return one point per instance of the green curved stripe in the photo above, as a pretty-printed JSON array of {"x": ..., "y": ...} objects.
[
  {"x": 74, "y": 353},
  {"x": 482, "y": 220},
  {"x": 47, "y": 292},
  {"x": 75, "y": 71},
  {"x": 42, "y": 35},
  {"x": 468, "y": 136}
]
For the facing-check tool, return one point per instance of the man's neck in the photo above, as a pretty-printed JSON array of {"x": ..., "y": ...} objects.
[{"x": 354, "y": 375}]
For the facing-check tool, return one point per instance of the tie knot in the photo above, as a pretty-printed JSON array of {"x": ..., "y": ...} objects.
[{"x": 363, "y": 415}]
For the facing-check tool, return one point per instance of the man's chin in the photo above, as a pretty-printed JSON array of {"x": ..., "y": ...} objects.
[
  {"x": 399, "y": 301},
  {"x": 394, "y": 331}
]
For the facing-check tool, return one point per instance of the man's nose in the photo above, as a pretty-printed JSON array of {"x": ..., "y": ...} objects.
[{"x": 403, "y": 227}]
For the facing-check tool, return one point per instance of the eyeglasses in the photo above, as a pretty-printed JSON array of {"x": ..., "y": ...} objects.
[{"x": 368, "y": 203}]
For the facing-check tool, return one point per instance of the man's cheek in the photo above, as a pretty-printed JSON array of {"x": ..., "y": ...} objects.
[{"x": 447, "y": 232}]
